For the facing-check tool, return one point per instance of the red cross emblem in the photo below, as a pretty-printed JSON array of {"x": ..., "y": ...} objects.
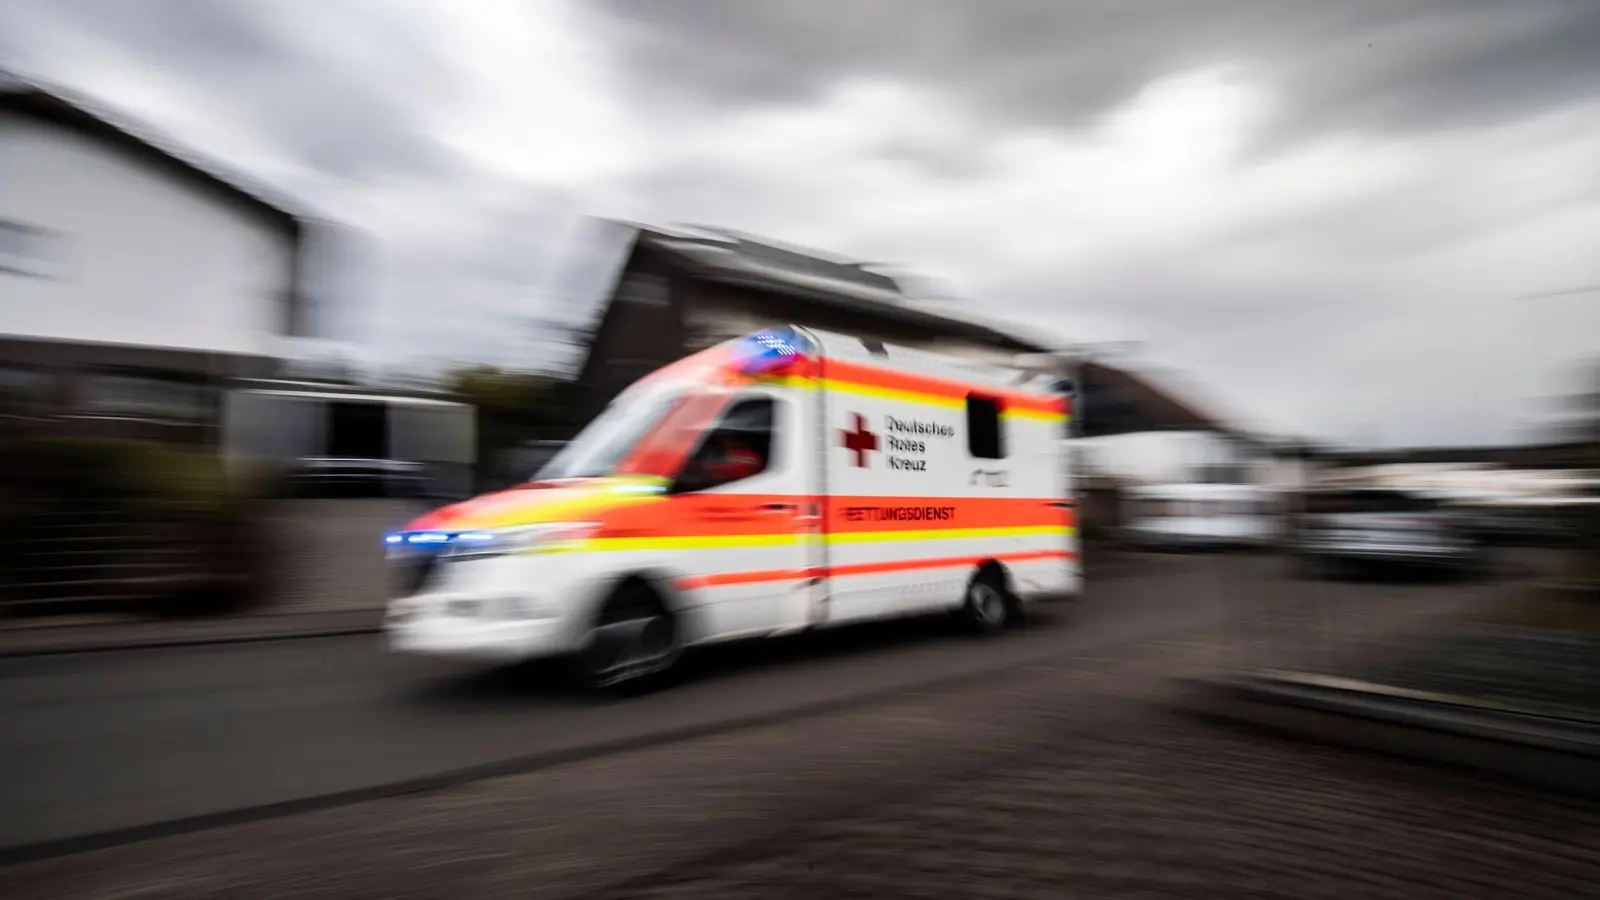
[{"x": 860, "y": 440}]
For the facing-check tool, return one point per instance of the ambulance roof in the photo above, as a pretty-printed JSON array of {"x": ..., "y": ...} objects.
[{"x": 923, "y": 362}]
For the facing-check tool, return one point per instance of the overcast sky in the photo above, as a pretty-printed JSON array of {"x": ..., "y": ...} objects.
[{"x": 1366, "y": 220}]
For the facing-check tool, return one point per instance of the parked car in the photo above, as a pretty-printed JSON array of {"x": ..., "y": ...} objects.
[{"x": 1369, "y": 529}]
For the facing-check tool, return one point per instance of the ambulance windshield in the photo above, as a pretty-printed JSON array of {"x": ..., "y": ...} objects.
[{"x": 601, "y": 447}]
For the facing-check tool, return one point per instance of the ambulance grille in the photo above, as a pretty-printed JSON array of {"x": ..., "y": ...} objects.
[{"x": 413, "y": 574}]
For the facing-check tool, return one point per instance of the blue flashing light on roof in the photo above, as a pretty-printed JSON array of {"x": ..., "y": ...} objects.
[{"x": 765, "y": 351}]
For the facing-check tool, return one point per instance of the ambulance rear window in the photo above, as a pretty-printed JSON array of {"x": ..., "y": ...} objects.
[{"x": 984, "y": 439}]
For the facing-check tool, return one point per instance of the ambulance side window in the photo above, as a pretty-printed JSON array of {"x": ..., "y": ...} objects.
[
  {"x": 739, "y": 447},
  {"x": 984, "y": 437}
]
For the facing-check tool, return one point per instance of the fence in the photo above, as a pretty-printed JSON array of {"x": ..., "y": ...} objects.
[{"x": 96, "y": 527}]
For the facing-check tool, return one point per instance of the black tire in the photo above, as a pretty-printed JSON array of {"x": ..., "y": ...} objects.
[
  {"x": 988, "y": 607},
  {"x": 634, "y": 645}
]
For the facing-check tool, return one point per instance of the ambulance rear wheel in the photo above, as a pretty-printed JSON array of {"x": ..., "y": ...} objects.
[
  {"x": 989, "y": 607},
  {"x": 634, "y": 644}
]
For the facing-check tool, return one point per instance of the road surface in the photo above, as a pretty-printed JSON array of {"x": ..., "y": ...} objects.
[
  {"x": 1071, "y": 776},
  {"x": 100, "y": 742}
]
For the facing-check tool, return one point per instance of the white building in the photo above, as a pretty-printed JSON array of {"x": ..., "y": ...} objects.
[
  {"x": 1191, "y": 457},
  {"x": 134, "y": 280}
]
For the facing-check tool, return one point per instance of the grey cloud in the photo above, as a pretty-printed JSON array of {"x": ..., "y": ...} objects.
[
  {"x": 349, "y": 95},
  {"x": 342, "y": 92},
  {"x": 953, "y": 160},
  {"x": 1404, "y": 223},
  {"x": 1179, "y": 298},
  {"x": 1402, "y": 66}
]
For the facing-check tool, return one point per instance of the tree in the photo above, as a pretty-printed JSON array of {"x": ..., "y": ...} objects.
[
  {"x": 513, "y": 408},
  {"x": 531, "y": 401}
]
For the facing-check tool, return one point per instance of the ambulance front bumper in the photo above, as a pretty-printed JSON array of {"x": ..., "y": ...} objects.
[
  {"x": 479, "y": 639},
  {"x": 493, "y": 611}
]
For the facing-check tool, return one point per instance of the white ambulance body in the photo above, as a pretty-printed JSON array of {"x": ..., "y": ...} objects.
[{"x": 785, "y": 481}]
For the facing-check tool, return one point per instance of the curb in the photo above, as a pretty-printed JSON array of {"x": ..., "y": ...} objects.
[
  {"x": 115, "y": 645},
  {"x": 1543, "y": 751}
]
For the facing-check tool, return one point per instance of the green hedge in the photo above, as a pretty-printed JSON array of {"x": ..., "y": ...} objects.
[{"x": 154, "y": 478}]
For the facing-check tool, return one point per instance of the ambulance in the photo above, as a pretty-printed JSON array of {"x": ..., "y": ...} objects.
[{"x": 779, "y": 482}]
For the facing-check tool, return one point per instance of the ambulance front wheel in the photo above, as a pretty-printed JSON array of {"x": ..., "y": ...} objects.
[
  {"x": 989, "y": 607},
  {"x": 634, "y": 643}
]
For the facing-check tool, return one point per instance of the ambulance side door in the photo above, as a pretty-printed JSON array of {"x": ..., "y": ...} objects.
[
  {"x": 886, "y": 489},
  {"x": 752, "y": 569}
]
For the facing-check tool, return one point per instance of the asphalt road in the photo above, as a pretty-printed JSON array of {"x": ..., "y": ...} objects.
[{"x": 100, "y": 742}]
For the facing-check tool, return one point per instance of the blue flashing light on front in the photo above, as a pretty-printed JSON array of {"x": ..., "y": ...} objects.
[{"x": 438, "y": 537}]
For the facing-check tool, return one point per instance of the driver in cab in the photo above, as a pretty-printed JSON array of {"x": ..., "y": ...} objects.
[{"x": 728, "y": 457}]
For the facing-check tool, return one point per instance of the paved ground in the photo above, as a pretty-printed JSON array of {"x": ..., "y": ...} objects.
[
  {"x": 87, "y": 634},
  {"x": 332, "y": 553},
  {"x": 1540, "y": 669},
  {"x": 1069, "y": 776},
  {"x": 106, "y": 741}
]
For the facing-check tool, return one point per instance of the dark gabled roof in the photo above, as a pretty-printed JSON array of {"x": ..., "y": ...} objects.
[
  {"x": 1135, "y": 398},
  {"x": 727, "y": 257},
  {"x": 30, "y": 97},
  {"x": 794, "y": 259},
  {"x": 731, "y": 258}
]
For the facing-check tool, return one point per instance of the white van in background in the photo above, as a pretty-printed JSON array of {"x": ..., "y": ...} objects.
[
  {"x": 1196, "y": 516},
  {"x": 338, "y": 440}
]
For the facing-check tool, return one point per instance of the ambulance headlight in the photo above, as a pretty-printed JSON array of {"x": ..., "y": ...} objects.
[{"x": 544, "y": 538}]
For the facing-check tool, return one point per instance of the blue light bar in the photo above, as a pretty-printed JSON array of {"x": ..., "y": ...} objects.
[
  {"x": 765, "y": 351},
  {"x": 438, "y": 537}
]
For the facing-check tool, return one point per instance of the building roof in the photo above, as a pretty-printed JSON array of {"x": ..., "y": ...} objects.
[
  {"x": 1134, "y": 397},
  {"x": 34, "y": 98},
  {"x": 799, "y": 259},
  {"x": 733, "y": 258}
]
